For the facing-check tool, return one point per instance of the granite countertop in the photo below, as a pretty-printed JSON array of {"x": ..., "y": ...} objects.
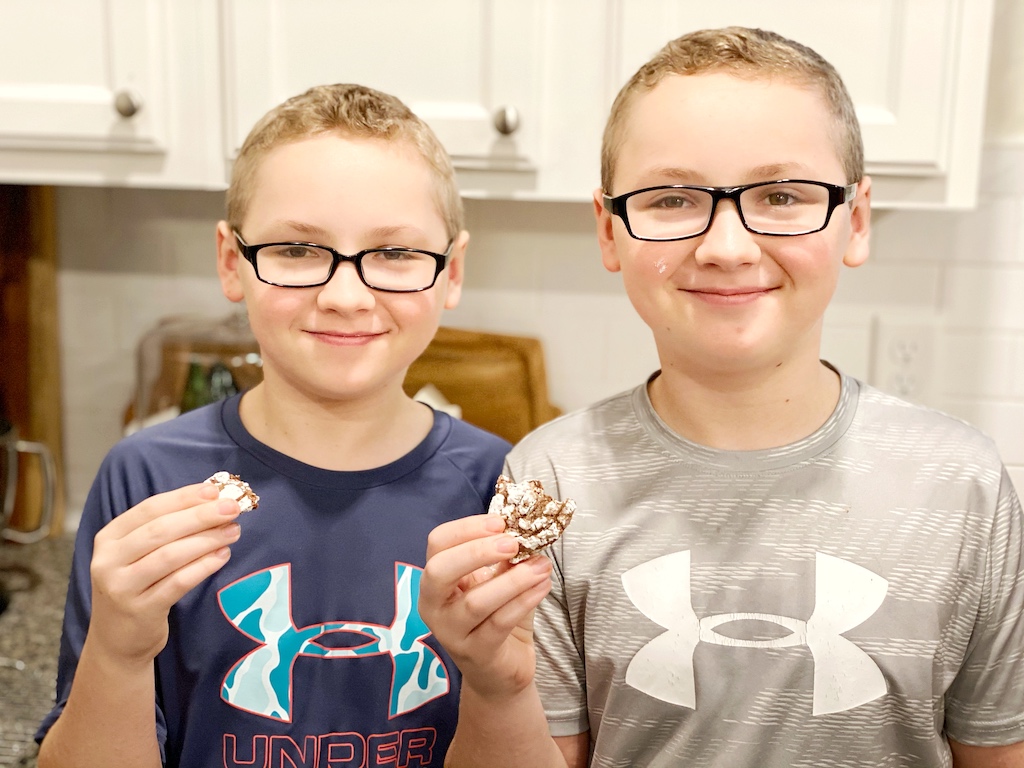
[{"x": 35, "y": 577}]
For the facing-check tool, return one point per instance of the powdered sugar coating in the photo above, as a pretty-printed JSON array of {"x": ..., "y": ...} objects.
[
  {"x": 234, "y": 487},
  {"x": 532, "y": 517}
]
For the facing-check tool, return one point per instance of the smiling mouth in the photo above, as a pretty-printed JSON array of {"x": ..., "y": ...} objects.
[
  {"x": 728, "y": 291},
  {"x": 346, "y": 339},
  {"x": 728, "y": 296}
]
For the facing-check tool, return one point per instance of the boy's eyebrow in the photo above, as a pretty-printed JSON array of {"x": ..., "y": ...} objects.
[
  {"x": 779, "y": 171},
  {"x": 675, "y": 174},
  {"x": 385, "y": 232},
  {"x": 318, "y": 234},
  {"x": 311, "y": 231},
  {"x": 767, "y": 172}
]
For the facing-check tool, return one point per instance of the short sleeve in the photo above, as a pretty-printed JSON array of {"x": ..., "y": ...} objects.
[
  {"x": 560, "y": 674},
  {"x": 985, "y": 703},
  {"x": 106, "y": 500}
]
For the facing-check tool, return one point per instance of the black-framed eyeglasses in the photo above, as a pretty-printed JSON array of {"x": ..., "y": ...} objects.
[
  {"x": 308, "y": 265},
  {"x": 785, "y": 208}
]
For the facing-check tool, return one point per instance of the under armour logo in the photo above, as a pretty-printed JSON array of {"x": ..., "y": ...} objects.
[
  {"x": 845, "y": 596},
  {"x": 259, "y": 606}
]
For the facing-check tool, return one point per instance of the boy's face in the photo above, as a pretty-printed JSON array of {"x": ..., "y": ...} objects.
[
  {"x": 729, "y": 300},
  {"x": 342, "y": 340}
]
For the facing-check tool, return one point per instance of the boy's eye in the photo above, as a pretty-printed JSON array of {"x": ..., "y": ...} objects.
[
  {"x": 791, "y": 194},
  {"x": 294, "y": 251},
  {"x": 668, "y": 200},
  {"x": 392, "y": 255},
  {"x": 671, "y": 202},
  {"x": 779, "y": 198}
]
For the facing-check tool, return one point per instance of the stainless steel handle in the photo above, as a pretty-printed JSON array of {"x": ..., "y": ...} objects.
[
  {"x": 127, "y": 103},
  {"x": 49, "y": 485},
  {"x": 506, "y": 120}
]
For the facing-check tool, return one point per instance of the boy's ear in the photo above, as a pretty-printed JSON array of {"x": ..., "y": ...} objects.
[
  {"x": 858, "y": 248},
  {"x": 228, "y": 263},
  {"x": 456, "y": 270},
  {"x": 606, "y": 233}
]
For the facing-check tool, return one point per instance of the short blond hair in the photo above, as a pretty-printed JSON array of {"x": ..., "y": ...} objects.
[
  {"x": 744, "y": 52},
  {"x": 351, "y": 111}
]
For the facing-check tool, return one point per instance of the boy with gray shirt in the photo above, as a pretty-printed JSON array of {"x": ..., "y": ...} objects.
[{"x": 771, "y": 564}]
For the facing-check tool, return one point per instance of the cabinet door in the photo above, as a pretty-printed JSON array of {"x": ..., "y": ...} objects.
[
  {"x": 456, "y": 63},
  {"x": 916, "y": 70},
  {"x": 81, "y": 75}
]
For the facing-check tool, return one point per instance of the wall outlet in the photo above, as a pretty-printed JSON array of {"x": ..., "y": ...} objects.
[{"x": 904, "y": 358}]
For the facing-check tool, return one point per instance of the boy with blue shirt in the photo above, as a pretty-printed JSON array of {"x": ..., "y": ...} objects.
[
  {"x": 289, "y": 635},
  {"x": 771, "y": 564}
]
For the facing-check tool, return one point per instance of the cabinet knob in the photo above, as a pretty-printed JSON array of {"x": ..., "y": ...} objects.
[
  {"x": 506, "y": 120},
  {"x": 127, "y": 103}
]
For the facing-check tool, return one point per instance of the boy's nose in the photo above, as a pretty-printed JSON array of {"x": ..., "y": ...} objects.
[
  {"x": 727, "y": 242},
  {"x": 345, "y": 291}
]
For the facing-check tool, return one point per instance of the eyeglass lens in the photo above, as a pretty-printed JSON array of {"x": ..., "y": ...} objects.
[
  {"x": 783, "y": 208},
  {"x": 301, "y": 265}
]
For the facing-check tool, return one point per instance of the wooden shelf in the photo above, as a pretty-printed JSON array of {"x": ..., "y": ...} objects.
[{"x": 30, "y": 382}]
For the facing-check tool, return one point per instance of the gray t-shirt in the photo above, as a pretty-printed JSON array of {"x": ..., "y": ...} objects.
[{"x": 847, "y": 600}]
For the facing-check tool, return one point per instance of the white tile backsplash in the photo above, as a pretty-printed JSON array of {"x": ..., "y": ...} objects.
[
  {"x": 594, "y": 345},
  {"x": 992, "y": 233},
  {"x": 978, "y": 364},
  {"x": 1017, "y": 478},
  {"x": 1017, "y": 390},
  {"x": 984, "y": 298},
  {"x": 129, "y": 258},
  {"x": 905, "y": 285},
  {"x": 902, "y": 237},
  {"x": 1002, "y": 168},
  {"x": 1002, "y": 420}
]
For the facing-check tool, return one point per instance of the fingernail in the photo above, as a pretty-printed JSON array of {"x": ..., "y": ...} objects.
[
  {"x": 234, "y": 531},
  {"x": 208, "y": 491},
  {"x": 539, "y": 563},
  {"x": 495, "y": 523},
  {"x": 228, "y": 507},
  {"x": 507, "y": 545}
]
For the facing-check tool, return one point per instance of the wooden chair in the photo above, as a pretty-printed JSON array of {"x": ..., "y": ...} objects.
[{"x": 499, "y": 381}]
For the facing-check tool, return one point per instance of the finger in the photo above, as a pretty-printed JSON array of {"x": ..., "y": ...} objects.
[
  {"x": 480, "y": 575},
  {"x": 450, "y": 569},
  {"x": 484, "y": 600},
  {"x": 456, "y": 532},
  {"x": 165, "y": 529},
  {"x": 178, "y": 554},
  {"x": 175, "y": 585},
  {"x": 127, "y": 581},
  {"x": 460, "y": 617},
  {"x": 158, "y": 505},
  {"x": 515, "y": 614}
]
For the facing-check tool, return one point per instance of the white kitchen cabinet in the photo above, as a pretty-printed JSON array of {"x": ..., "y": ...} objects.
[
  {"x": 110, "y": 92},
  {"x": 464, "y": 66},
  {"x": 206, "y": 70},
  {"x": 916, "y": 70}
]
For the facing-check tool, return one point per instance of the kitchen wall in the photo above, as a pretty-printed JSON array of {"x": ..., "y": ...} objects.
[{"x": 937, "y": 314}]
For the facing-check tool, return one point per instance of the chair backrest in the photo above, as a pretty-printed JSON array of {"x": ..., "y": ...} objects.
[{"x": 498, "y": 380}]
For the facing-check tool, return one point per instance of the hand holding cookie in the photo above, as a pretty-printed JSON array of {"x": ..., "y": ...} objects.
[
  {"x": 149, "y": 557},
  {"x": 480, "y": 612}
]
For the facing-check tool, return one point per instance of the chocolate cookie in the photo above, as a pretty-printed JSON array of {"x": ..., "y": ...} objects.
[
  {"x": 532, "y": 517},
  {"x": 234, "y": 487}
]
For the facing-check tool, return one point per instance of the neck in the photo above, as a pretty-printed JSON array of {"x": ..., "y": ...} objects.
[
  {"x": 332, "y": 434},
  {"x": 746, "y": 412}
]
